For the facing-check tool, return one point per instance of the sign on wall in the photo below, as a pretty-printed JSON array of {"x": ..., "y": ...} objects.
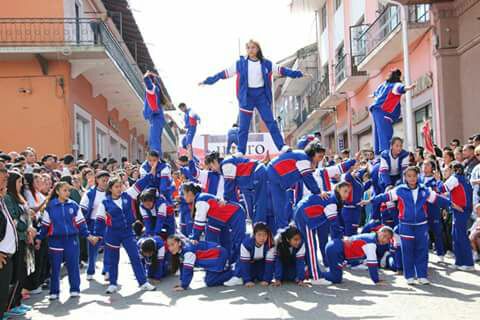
[{"x": 257, "y": 147}]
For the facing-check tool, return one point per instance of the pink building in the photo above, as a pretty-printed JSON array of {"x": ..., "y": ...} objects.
[{"x": 359, "y": 42}]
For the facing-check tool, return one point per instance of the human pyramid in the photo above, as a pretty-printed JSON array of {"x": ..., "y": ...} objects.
[{"x": 306, "y": 211}]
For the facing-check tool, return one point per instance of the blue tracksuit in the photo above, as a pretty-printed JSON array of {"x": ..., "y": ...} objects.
[
  {"x": 316, "y": 219},
  {"x": 222, "y": 224},
  {"x": 62, "y": 223},
  {"x": 250, "y": 98},
  {"x": 284, "y": 172},
  {"x": 435, "y": 215},
  {"x": 209, "y": 256},
  {"x": 385, "y": 112},
  {"x": 413, "y": 224},
  {"x": 153, "y": 112},
  {"x": 324, "y": 175},
  {"x": 391, "y": 169},
  {"x": 232, "y": 138},
  {"x": 461, "y": 194},
  {"x": 114, "y": 221},
  {"x": 157, "y": 269},
  {"x": 87, "y": 204},
  {"x": 351, "y": 211},
  {"x": 255, "y": 263},
  {"x": 291, "y": 268},
  {"x": 352, "y": 250},
  {"x": 162, "y": 181},
  {"x": 249, "y": 177},
  {"x": 186, "y": 221},
  {"x": 304, "y": 141},
  {"x": 211, "y": 181},
  {"x": 191, "y": 121},
  {"x": 159, "y": 217}
]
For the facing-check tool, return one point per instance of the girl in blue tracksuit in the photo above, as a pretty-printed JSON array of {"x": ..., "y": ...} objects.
[
  {"x": 62, "y": 222},
  {"x": 351, "y": 210},
  {"x": 232, "y": 137},
  {"x": 316, "y": 218},
  {"x": 211, "y": 179},
  {"x": 354, "y": 249},
  {"x": 386, "y": 109},
  {"x": 154, "y": 103},
  {"x": 393, "y": 163},
  {"x": 89, "y": 204},
  {"x": 209, "y": 256},
  {"x": 154, "y": 257},
  {"x": 249, "y": 178},
  {"x": 434, "y": 212},
  {"x": 162, "y": 177},
  {"x": 257, "y": 258},
  {"x": 114, "y": 222},
  {"x": 285, "y": 171},
  {"x": 290, "y": 259},
  {"x": 254, "y": 90},
  {"x": 461, "y": 195},
  {"x": 155, "y": 215},
  {"x": 191, "y": 120},
  {"x": 412, "y": 199},
  {"x": 222, "y": 222}
]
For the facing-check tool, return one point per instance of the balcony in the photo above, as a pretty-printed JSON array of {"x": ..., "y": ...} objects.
[
  {"x": 347, "y": 76},
  {"x": 93, "y": 51},
  {"x": 375, "y": 45}
]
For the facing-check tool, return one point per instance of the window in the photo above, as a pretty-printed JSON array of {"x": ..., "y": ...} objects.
[
  {"x": 101, "y": 140},
  {"x": 338, "y": 4},
  {"x": 82, "y": 132},
  {"x": 114, "y": 148},
  {"x": 421, "y": 115},
  {"x": 323, "y": 18},
  {"x": 123, "y": 151}
]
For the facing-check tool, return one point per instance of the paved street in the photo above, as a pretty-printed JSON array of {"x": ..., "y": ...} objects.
[{"x": 453, "y": 295}]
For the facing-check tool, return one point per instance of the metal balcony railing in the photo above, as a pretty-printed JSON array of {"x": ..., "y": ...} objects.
[
  {"x": 340, "y": 69},
  {"x": 321, "y": 91},
  {"x": 366, "y": 38},
  {"x": 68, "y": 34}
]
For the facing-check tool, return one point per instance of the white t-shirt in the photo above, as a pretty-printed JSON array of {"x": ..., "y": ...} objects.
[{"x": 255, "y": 77}]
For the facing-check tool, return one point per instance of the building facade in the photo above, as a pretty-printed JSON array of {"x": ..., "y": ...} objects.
[
  {"x": 360, "y": 41},
  {"x": 71, "y": 79}
]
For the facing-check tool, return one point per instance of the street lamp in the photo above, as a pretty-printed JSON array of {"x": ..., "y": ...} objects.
[{"x": 406, "y": 71}]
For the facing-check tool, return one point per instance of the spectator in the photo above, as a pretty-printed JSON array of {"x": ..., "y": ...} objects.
[
  {"x": 8, "y": 245},
  {"x": 458, "y": 152},
  {"x": 470, "y": 160},
  {"x": 22, "y": 260}
]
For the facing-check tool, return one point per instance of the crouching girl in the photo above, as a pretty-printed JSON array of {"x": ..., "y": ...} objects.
[{"x": 207, "y": 255}]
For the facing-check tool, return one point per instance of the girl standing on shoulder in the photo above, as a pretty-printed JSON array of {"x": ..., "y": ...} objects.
[{"x": 254, "y": 90}]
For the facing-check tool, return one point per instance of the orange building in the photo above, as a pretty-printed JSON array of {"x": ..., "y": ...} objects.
[
  {"x": 71, "y": 79},
  {"x": 358, "y": 43}
]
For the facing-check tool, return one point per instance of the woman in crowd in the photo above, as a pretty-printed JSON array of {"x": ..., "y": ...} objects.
[{"x": 23, "y": 263}]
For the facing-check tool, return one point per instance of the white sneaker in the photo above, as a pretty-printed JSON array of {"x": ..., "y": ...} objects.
[
  {"x": 423, "y": 281},
  {"x": 74, "y": 294},
  {"x": 36, "y": 291},
  {"x": 441, "y": 259},
  {"x": 111, "y": 289},
  {"x": 359, "y": 267},
  {"x": 147, "y": 286},
  {"x": 238, "y": 154},
  {"x": 89, "y": 277},
  {"x": 321, "y": 282},
  {"x": 53, "y": 297},
  {"x": 466, "y": 268},
  {"x": 106, "y": 276},
  {"x": 410, "y": 281},
  {"x": 327, "y": 269},
  {"x": 234, "y": 281},
  {"x": 285, "y": 148}
]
